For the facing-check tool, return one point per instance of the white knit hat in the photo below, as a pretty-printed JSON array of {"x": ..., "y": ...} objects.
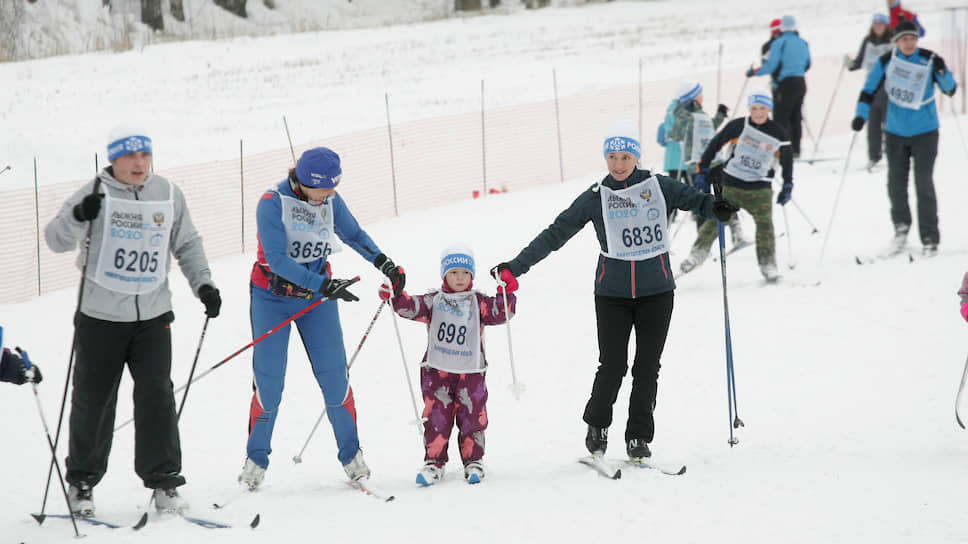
[
  {"x": 456, "y": 255},
  {"x": 687, "y": 91},
  {"x": 127, "y": 138},
  {"x": 623, "y": 135}
]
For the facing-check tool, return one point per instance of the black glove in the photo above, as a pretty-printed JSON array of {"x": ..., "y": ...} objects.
[
  {"x": 750, "y": 72},
  {"x": 496, "y": 270},
  {"x": 723, "y": 110},
  {"x": 13, "y": 369},
  {"x": 211, "y": 299},
  {"x": 701, "y": 181},
  {"x": 723, "y": 210},
  {"x": 785, "y": 194},
  {"x": 951, "y": 92},
  {"x": 88, "y": 209},
  {"x": 938, "y": 65},
  {"x": 394, "y": 273},
  {"x": 857, "y": 123},
  {"x": 336, "y": 289}
]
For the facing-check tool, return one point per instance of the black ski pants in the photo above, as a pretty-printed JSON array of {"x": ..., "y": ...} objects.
[
  {"x": 923, "y": 149},
  {"x": 102, "y": 350},
  {"x": 616, "y": 317},
  {"x": 788, "y": 109}
]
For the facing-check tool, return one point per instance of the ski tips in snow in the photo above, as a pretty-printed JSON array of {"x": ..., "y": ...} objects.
[
  {"x": 644, "y": 463},
  {"x": 255, "y": 521},
  {"x": 600, "y": 465},
  {"x": 141, "y": 521}
]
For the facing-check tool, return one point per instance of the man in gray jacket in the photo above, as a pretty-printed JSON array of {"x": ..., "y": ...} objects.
[{"x": 135, "y": 220}]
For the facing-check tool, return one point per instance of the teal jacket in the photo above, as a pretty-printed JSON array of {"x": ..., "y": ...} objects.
[
  {"x": 673, "y": 151},
  {"x": 615, "y": 277}
]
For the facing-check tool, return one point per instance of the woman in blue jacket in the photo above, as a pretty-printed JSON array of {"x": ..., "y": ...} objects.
[{"x": 301, "y": 222}]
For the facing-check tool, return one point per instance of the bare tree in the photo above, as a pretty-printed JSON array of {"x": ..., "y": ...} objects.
[
  {"x": 232, "y": 6},
  {"x": 151, "y": 14},
  {"x": 178, "y": 10}
]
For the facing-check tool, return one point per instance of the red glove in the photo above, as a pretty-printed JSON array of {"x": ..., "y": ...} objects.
[
  {"x": 386, "y": 292},
  {"x": 964, "y": 311},
  {"x": 510, "y": 283}
]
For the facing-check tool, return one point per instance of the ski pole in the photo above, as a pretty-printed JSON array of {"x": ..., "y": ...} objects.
[
  {"x": 840, "y": 188},
  {"x": 516, "y": 388},
  {"x": 403, "y": 357},
  {"x": 70, "y": 358},
  {"x": 826, "y": 115},
  {"x": 805, "y": 218},
  {"x": 50, "y": 443},
  {"x": 961, "y": 390},
  {"x": 243, "y": 348},
  {"x": 954, "y": 113},
  {"x": 740, "y": 97},
  {"x": 298, "y": 457},
  {"x": 735, "y": 421},
  {"x": 786, "y": 221},
  {"x": 192, "y": 371}
]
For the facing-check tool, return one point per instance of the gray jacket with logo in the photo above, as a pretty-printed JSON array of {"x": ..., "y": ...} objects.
[{"x": 65, "y": 233}]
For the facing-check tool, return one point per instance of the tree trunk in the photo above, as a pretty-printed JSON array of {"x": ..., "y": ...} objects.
[
  {"x": 467, "y": 5},
  {"x": 151, "y": 14},
  {"x": 232, "y": 6},
  {"x": 178, "y": 10}
]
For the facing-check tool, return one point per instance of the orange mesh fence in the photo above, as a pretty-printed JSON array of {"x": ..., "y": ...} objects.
[{"x": 434, "y": 161}]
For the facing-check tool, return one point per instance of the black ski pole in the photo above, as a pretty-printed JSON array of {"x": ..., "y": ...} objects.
[
  {"x": 191, "y": 373},
  {"x": 70, "y": 358},
  {"x": 53, "y": 450}
]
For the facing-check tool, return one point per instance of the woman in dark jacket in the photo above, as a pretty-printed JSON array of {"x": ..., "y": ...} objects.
[{"x": 633, "y": 278}]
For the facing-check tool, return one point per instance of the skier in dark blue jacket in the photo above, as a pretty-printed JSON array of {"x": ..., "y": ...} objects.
[{"x": 633, "y": 278}]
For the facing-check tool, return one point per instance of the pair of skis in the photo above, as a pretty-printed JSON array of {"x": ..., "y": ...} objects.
[
  {"x": 609, "y": 470},
  {"x": 143, "y": 520}
]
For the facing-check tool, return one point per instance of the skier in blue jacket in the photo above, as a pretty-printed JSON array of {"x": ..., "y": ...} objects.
[
  {"x": 789, "y": 58},
  {"x": 301, "y": 222},
  {"x": 908, "y": 74}
]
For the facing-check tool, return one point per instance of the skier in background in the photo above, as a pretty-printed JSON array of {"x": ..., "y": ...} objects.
[
  {"x": 126, "y": 314},
  {"x": 909, "y": 75},
  {"x": 790, "y": 58},
  {"x": 875, "y": 44},
  {"x": 693, "y": 129},
  {"x": 758, "y": 142},
  {"x": 633, "y": 278},
  {"x": 765, "y": 53},
  {"x": 899, "y": 14},
  {"x": 453, "y": 367},
  {"x": 301, "y": 222}
]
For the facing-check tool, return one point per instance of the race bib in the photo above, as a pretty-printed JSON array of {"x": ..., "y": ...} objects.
[
  {"x": 753, "y": 155},
  {"x": 635, "y": 221},
  {"x": 134, "y": 244},
  {"x": 702, "y": 133},
  {"x": 455, "y": 334},
  {"x": 905, "y": 82},
  {"x": 309, "y": 229}
]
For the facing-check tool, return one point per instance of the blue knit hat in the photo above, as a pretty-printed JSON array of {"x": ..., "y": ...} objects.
[
  {"x": 127, "y": 138},
  {"x": 687, "y": 91},
  {"x": 319, "y": 168},
  {"x": 880, "y": 18},
  {"x": 623, "y": 135},
  {"x": 759, "y": 97},
  {"x": 788, "y": 23},
  {"x": 456, "y": 255}
]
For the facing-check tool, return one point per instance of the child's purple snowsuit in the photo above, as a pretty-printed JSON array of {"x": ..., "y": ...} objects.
[{"x": 450, "y": 396}]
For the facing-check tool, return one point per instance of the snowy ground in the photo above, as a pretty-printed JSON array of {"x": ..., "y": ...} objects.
[{"x": 846, "y": 387}]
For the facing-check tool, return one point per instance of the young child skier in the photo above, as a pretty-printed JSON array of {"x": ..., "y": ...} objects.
[
  {"x": 453, "y": 367},
  {"x": 757, "y": 143}
]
